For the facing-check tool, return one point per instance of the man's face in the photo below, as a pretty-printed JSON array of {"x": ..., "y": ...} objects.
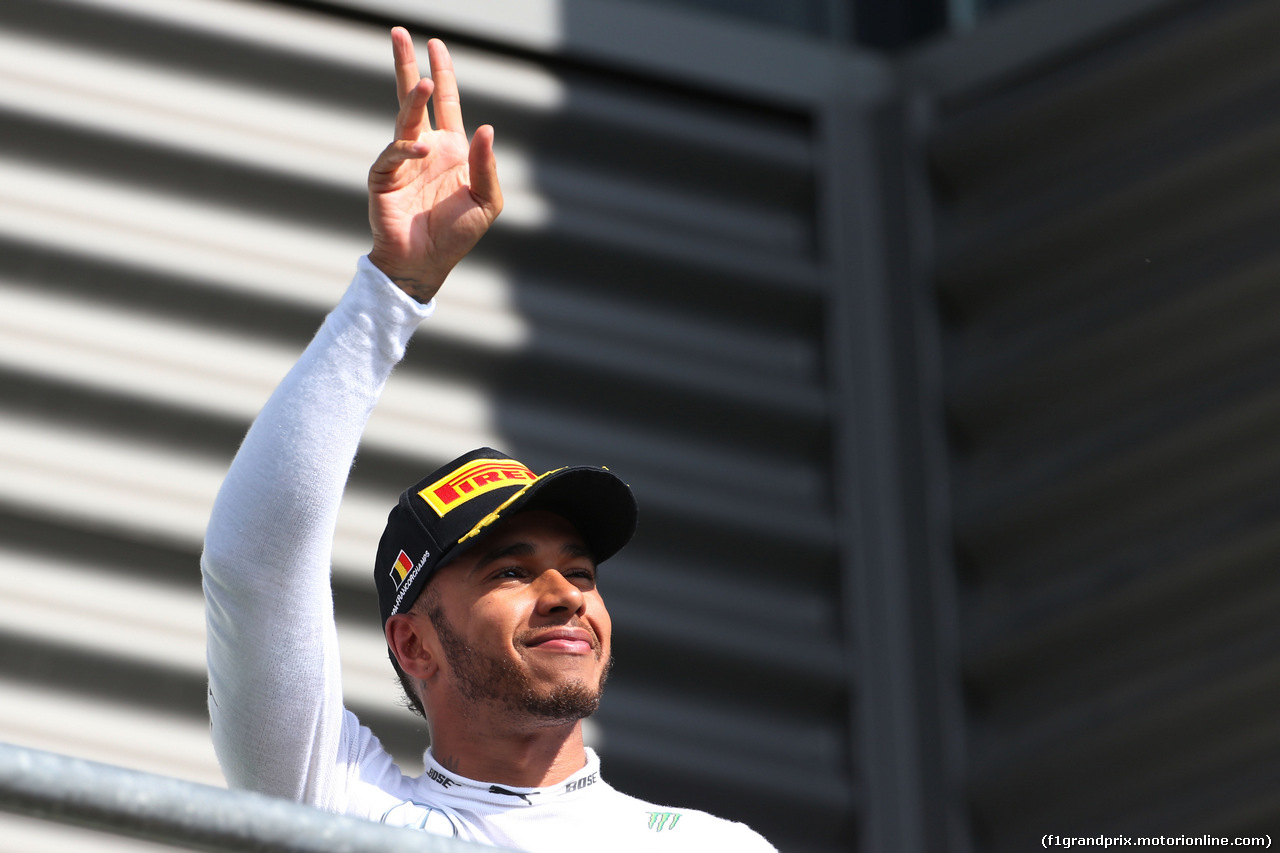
[{"x": 520, "y": 621}]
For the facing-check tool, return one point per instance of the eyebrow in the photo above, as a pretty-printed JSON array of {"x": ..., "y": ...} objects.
[
  {"x": 517, "y": 549},
  {"x": 572, "y": 549},
  {"x": 525, "y": 549}
]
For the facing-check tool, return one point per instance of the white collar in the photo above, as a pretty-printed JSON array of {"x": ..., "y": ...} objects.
[{"x": 436, "y": 777}]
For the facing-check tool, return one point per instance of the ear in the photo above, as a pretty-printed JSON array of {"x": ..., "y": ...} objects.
[{"x": 409, "y": 638}]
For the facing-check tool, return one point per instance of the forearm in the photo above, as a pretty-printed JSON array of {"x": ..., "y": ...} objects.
[{"x": 275, "y": 691}]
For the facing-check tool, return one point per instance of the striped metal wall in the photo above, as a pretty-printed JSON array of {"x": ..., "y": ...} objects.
[
  {"x": 181, "y": 200},
  {"x": 1107, "y": 283}
]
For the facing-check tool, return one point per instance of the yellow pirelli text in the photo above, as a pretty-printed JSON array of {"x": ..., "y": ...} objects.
[{"x": 472, "y": 480}]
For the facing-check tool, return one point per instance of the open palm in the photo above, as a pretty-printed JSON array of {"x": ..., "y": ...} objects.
[{"x": 432, "y": 194}]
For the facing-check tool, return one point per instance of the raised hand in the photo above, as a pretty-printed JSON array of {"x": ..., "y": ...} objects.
[{"x": 432, "y": 195}]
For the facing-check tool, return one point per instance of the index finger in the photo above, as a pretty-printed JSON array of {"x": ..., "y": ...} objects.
[
  {"x": 448, "y": 105},
  {"x": 406, "y": 62}
]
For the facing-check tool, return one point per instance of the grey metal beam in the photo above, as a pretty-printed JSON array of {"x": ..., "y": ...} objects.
[
  {"x": 942, "y": 700},
  {"x": 200, "y": 817},
  {"x": 874, "y": 565}
]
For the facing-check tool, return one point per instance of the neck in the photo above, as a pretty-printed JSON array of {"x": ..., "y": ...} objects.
[{"x": 530, "y": 756}]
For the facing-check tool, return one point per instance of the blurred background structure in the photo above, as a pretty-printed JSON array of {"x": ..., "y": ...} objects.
[{"x": 938, "y": 339}]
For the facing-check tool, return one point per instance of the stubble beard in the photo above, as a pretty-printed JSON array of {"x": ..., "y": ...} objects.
[{"x": 498, "y": 681}]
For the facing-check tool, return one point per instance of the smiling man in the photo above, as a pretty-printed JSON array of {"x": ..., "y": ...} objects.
[{"x": 486, "y": 571}]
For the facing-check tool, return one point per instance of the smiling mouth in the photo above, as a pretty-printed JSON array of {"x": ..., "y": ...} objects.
[
  {"x": 576, "y": 641},
  {"x": 580, "y": 647}
]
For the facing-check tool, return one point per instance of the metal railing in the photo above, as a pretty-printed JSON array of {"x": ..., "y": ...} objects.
[{"x": 187, "y": 814}]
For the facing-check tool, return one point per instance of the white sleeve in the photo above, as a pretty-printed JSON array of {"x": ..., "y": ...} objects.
[{"x": 275, "y": 692}]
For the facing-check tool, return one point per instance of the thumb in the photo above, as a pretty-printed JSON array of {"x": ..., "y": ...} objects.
[{"x": 483, "y": 167}]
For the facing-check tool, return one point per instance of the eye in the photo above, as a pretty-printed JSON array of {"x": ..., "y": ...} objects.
[{"x": 509, "y": 573}]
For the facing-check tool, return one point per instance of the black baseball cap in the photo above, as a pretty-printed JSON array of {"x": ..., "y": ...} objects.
[{"x": 446, "y": 512}]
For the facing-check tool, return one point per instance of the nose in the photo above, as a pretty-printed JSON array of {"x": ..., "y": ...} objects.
[{"x": 557, "y": 595}]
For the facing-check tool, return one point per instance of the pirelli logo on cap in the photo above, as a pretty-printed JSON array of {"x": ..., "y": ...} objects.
[{"x": 472, "y": 480}]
